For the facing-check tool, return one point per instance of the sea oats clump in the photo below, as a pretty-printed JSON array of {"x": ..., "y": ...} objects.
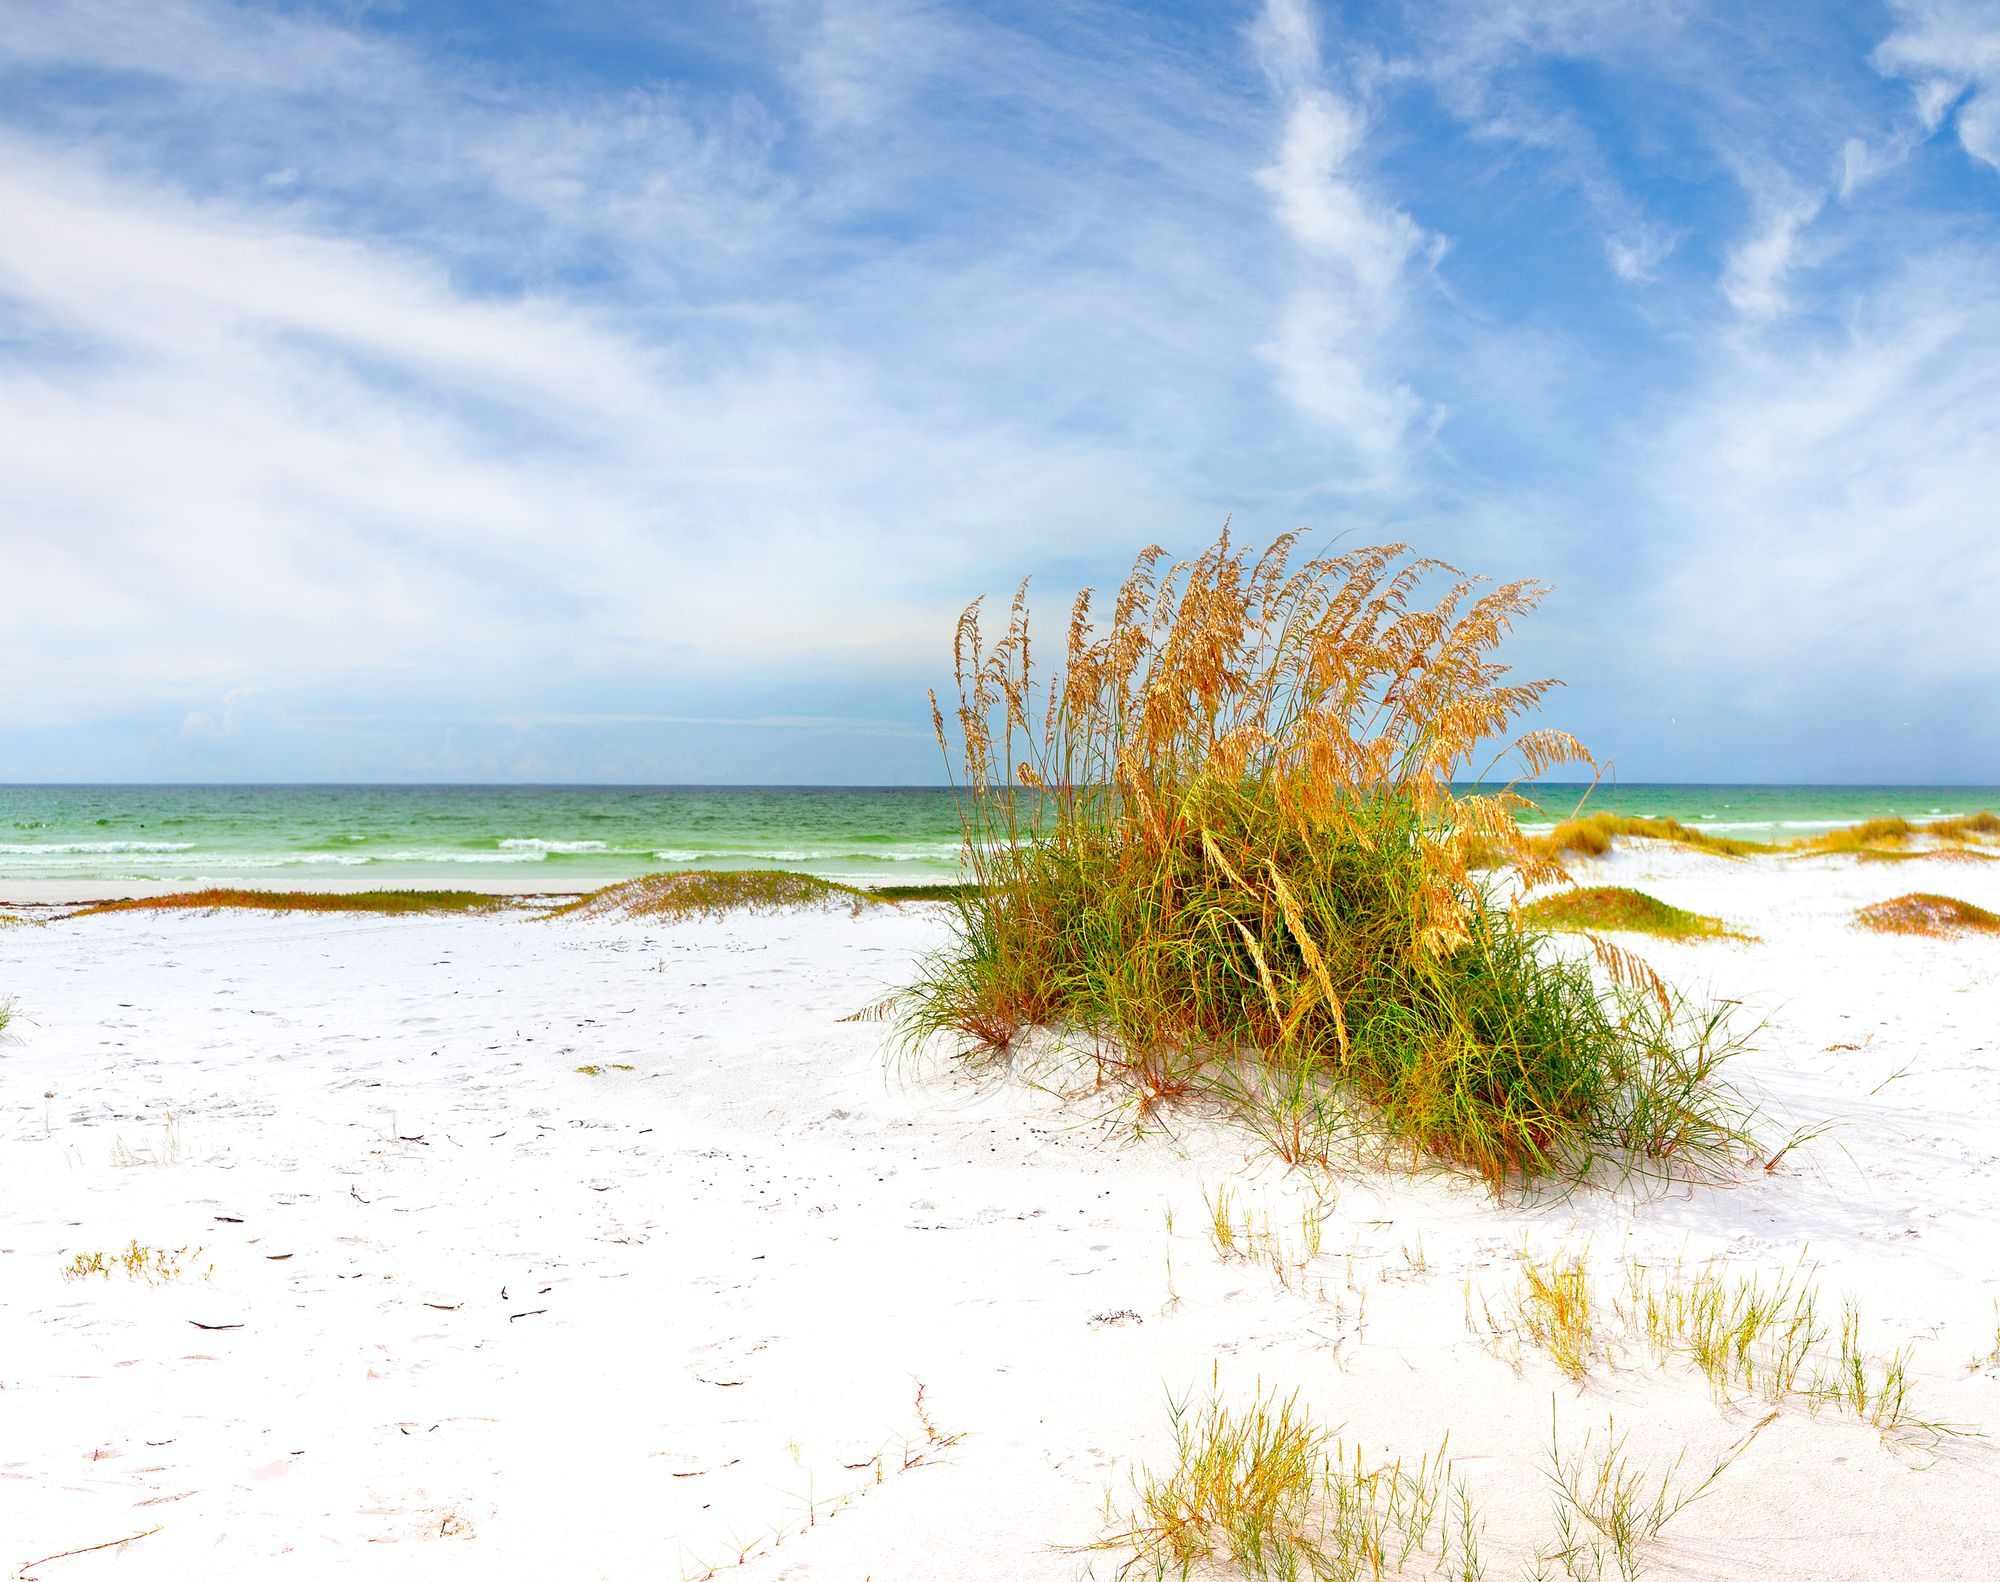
[{"x": 1222, "y": 841}]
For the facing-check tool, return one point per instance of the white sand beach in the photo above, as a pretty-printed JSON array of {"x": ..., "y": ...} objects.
[{"x": 777, "y": 1302}]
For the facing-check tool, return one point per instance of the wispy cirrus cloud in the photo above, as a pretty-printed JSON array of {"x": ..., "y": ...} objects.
[
  {"x": 383, "y": 401},
  {"x": 1335, "y": 339}
]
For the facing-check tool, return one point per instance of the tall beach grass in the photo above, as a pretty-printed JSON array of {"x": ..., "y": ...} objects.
[{"x": 1219, "y": 842}]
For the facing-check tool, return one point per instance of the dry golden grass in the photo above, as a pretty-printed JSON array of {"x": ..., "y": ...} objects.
[
  {"x": 1221, "y": 839},
  {"x": 1592, "y": 835},
  {"x": 1897, "y": 839},
  {"x": 391, "y": 903},
  {"x": 1931, "y": 916},
  {"x": 668, "y": 897},
  {"x": 1879, "y": 840},
  {"x": 1554, "y": 1304},
  {"x": 154, "y": 1265},
  {"x": 1615, "y": 909}
]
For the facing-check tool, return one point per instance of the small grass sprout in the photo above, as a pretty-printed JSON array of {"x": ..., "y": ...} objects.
[
  {"x": 1988, "y": 1361},
  {"x": 1264, "y": 1493},
  {"x": 1876, "y": 1389},
  {"x": 1602, "y": 1495},
  {"x": 1744, "y": 1334},
  {"x": 154, "y": 1265},
  {"x": 598, "y": 1071},
  {"x": 1256, "y": 1237},
  {"x": 1615, "y": 908},
  {"x": 168, "y": 1150},
  {"x": 1928, "y": 916},
  {"x": 901, "y": 1455},
  {"x": 1553, "y": 1303}
]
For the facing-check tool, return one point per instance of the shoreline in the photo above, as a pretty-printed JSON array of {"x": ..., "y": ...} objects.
[{"x": 55, "y": 895}]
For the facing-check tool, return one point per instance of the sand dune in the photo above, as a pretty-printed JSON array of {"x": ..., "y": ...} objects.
[{"x": 473, "y": 1312}]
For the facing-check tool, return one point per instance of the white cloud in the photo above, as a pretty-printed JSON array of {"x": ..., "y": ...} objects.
[
  {"x": 1754, "y": 278},
  {"x": 250, "y": 442},
  {"x": 1950, "y": 50},
  {"x": 1637, "y": 252},
  {"x": 1831, "y": 495},
  {"x": 853, "y": 61},
  {"x": 1332, "y": 348}
]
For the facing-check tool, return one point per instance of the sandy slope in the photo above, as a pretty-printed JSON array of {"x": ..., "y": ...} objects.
[{"x": 502, "y": 1319}]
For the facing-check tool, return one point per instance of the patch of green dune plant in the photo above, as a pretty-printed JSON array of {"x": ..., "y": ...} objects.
[
  {"x": 391, "y": 903},
  {"x": 671, "y": 896},
  {"x": 1614, "y": 908},
  {"x": 1930, "y": 916},
  {"x": 1219, "y": 844}
]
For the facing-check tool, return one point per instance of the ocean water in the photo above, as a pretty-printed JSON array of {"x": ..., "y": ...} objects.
[{"x": 577, "y": 837}]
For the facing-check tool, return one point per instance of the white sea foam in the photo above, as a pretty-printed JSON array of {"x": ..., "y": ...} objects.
[
  {"x": 557, "y": 847},
  {"x": 757, "y": 852},
  {"x": 465, "y": 856},
  {"x": 86, "y": 848},
  {"x": 934, "y": 853}
]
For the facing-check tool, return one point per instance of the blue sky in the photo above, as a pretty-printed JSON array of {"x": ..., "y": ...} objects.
[{"x": 635, "y": 392}]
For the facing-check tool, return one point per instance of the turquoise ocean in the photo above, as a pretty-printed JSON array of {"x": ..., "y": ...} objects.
[{"x": 568, "y": 838}]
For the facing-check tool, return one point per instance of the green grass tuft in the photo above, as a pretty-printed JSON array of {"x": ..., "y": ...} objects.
[
  {"x": 669, "y": 897},
  {"x": 1266, "y": 1493},
  {"x": 923, "y": 892},
  {"x": 1617, "y": 909},
  {"x": 388, "y": 903}
]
